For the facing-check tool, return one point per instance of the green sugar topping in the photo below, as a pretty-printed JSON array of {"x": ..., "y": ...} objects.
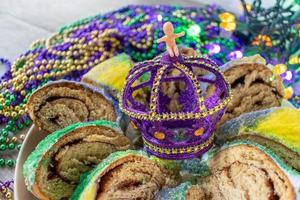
[{"x": 31, "y": 164}]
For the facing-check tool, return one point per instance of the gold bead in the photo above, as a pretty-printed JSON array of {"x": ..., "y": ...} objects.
[
  {"x": 78, "y": 67},
  {"x": 46, "y": 75},
  {"x": 59, "y": 73},
  {"x": 31, "y": 64},
  {"x": 73, "y": 68},
  {"x": 39, "y": 77},
  {"x": 23, "y": 92},
  {"x": 21, "y": 112},
  {"x": 29, "y": 71},
  {"x": 42, "y": 67},
  {"x": 17, "y": 108},
  {"x": 24, "y": 78},
  {"x": 14, "y": 139},
  {"x": 14, "y": 114},
  {"x": 8, "y": 195},
  {"x": 22, "y": 136}
]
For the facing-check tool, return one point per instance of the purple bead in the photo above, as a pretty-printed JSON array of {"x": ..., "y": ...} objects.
[
  {"x": 288, "y": 77},
  {"x": 235, "y": 55},
  {"x": 213, "y": 48}
]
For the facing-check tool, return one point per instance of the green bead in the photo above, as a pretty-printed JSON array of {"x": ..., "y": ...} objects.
[
  {"x": 7, "y": 102},
  {"x": 11, "y": 146},
  {"x": 19, "y": 146},
  {"x": 2, "y": 162},
  {"x": 10, "y": 163},
  {"x": 11, "y": 122},
  {"x": 4, "y": 133},
  {"x": 2, "y": 139},
  {"x": 1, "y": 106},
  {"x": 13, "y": 129},
  {"x": 27, "y": 121},
  {"x": 20, "y": 126},
  {"x": 20, "y": 64},
  {"x": 12, "y": 98},
  {"x": 3, "y": 147},
  {"x": 8, "y": 126}
]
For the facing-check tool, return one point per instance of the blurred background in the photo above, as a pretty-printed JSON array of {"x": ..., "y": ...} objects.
[{"x": 24, "y": 21}]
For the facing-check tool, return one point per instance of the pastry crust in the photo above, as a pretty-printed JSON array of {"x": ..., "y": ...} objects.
[
  {"x": 234, "y": 168},
  {"x": 130, "y": 177},
  {"x": 252, "y": 88},
  {"x": 134, "y": 178},
  {"x": 61, "y": 103},
  {"x": 59, "y": 167}
]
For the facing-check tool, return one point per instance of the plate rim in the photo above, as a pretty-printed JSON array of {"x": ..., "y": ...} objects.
[{"x": 22, "y": 156}]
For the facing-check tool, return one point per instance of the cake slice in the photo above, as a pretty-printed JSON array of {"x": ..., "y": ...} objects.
[
  {"x": 124, "y": 175},
  {"x": 275, "y": 128},
  {"x": 254, "y": 87},
  {"x": 110, "y": 74},
  {"x": 53, "y": 169},
  {"x": 240, "y": 171},
  {"x": 61, "y": 103},
  {"x": 245, "y": 170}
]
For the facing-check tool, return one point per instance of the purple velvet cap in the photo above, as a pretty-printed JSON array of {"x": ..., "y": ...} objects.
[{"x": 204, "y": 94}]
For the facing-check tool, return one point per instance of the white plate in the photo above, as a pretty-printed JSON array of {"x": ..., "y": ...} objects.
[{"x": 33, "y": 137}]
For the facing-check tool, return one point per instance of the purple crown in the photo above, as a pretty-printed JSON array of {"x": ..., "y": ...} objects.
[{"x": 200, "y": 96}]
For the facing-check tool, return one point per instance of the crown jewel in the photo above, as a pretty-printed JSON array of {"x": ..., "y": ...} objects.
[{"x": 184, "y": 98}]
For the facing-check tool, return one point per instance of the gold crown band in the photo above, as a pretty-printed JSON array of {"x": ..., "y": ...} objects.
[{"x": 192, "y": 149}]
